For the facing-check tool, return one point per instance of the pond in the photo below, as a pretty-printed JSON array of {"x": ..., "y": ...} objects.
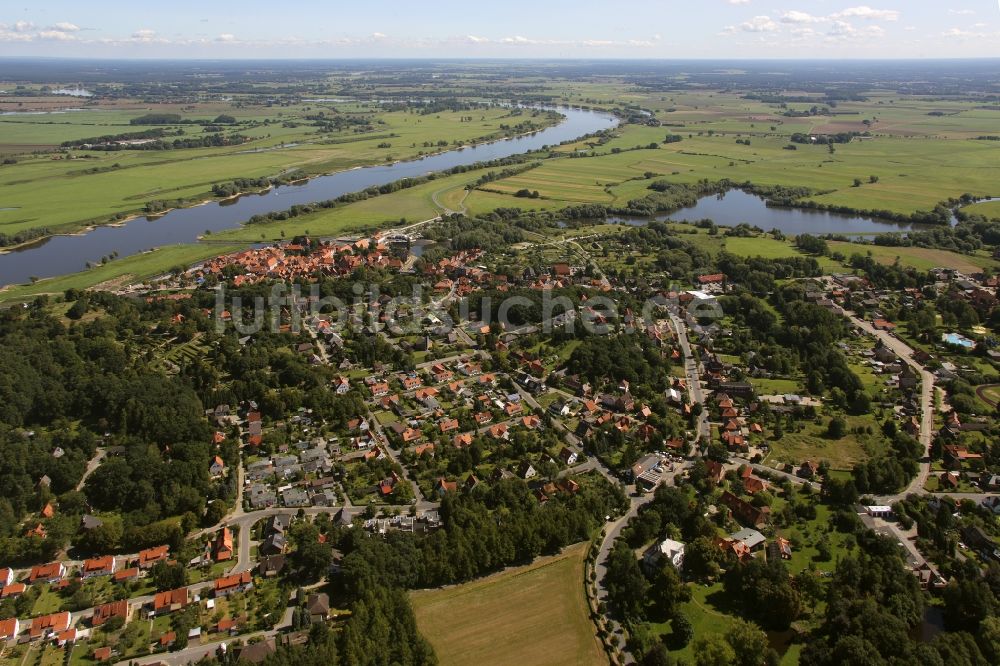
[
  {"x": 60, "y": 255},
  {"x": 737, "y": 207}
]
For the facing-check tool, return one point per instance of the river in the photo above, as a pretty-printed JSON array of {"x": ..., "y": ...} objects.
[{"x": 63, "y": 254}]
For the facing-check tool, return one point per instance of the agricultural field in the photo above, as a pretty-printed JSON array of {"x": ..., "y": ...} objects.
[
  {"x": 917, "y": 257},
  {"x": 535, "y": 614},
  {"x": 65, "y": 190}
]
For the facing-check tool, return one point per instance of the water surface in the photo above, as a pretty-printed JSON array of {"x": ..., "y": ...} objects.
[
  {"x": 736, "y": 207},
  {"x": 60, "y": 255}
]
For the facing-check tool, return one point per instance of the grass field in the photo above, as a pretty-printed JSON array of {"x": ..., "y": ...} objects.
[
  {"x": 920, "y": 160},
  {"x": 918, "y": 257},
  {"x": 535, "y": 614},
  {"x": 123, "y": 271},
  {"x": 990, "y": 209},
  {"x": 63, "y": 191},
  {"x": 811, "y": 443}
]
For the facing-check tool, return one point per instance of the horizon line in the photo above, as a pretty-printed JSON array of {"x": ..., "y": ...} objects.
[{"x": 493, "y": 59}]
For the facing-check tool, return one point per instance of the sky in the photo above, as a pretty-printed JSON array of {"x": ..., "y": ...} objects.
[{"x": 587, "y": 29}]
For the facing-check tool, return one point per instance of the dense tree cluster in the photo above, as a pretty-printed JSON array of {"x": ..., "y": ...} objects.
[{"x": 872, "y": 606}]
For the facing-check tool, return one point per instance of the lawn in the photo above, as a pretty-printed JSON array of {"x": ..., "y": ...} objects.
[
  {"x": 775, "y": 386},
  {"x": 811, "y": 443},
  {"x": 536, "y": 614}
]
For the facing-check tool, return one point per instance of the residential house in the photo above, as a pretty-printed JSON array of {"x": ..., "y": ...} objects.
[
  {"x": 808, "y": 469},
  {"x": 170, "y": 601},
  {"x": 126, "y": 575},
  {"x": 442, "y": 487},
  {"x": 13, "y": 590},
  {"x": 745, "y": 512},
  {"x": 256, "y": 653},
  {"x": 47, "y": 573},
  {"x": 236, "y": 583},
  {"x": 98, "y": 566},
  {"x": 568, "y": 456},
  {"x": 105, "y": 612},
  {"x": 667, "y": 550},
  {"x": 50, "y": 625},
  {"x": 9, "y": 629},
  {"x": 66, "y": 636},
  {"x": 646, "y": 463},
  {"x": 222, "y": 549},
  {"x": 150, "y": 556},
  {"x": 318, "y": 606},
  {"x": 753, "y": 485},
  {"x": 779, "y": 549},
  {"x": 271, "y": 566},
  {"x": 752, "y": 539}
]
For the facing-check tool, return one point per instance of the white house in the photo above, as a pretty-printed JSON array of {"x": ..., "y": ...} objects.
[{"x": 672, "y": 551}]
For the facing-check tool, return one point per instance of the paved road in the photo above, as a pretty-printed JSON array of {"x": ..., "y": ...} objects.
[
  {"x": 905, "y": 352},
  {"x": 612, "y": 531},
  {"x": 92, "y": 464},
  {"x": 693, "y": 377}
]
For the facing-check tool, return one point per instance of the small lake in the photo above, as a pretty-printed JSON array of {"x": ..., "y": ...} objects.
[
  {"x": 737, "y": 207},
  {"x": 60, "y": 255}
]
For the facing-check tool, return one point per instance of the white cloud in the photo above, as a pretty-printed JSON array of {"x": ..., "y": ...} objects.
[
  {"x": 962, "y": 35},
  {"x": 226, "y": 37},
  {"x": 795, "y": 16},
  {"x": 759, "y": 24},
  {"x": 520, "y": 40},
  {"x": 66, "y": 26},
  {"x": 844, "y": 31},
  {"x": 962, "y": 12},
  {"x": 867, "y": 13},
  {"x": 56, "y": 35},
  {"x": 738, "y": 2},
  {"x": 24, "y": 26},
  {"x": 378, "y": 35}
]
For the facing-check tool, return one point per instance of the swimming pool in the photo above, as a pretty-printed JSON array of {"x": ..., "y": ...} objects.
[{"x": 960, "y": 340}]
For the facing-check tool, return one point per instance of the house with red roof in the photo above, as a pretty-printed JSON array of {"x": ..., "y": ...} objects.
[
  {"x": 170, "y": 601},
  {"x": 223, "y": 547},
  {"x": 236, "y": 583},
  {"x": 12, "y": 590},
  {"x": 98, "y": 566},
  {"x": 9, "y": 629},
  {"x": 105, "y": 612},
  {"x": 150, "y": 556},
  {"x": 132, "y": 573},
  {"x": 47, "y": 573},
  {"x": 49, "y": 625}
]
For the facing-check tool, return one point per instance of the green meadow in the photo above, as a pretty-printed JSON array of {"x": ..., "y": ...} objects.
[{"x": 63, "y": 191}]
